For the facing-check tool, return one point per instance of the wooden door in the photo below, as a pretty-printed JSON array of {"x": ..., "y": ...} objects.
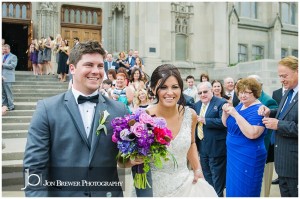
[{"x": 82, "y": 34}]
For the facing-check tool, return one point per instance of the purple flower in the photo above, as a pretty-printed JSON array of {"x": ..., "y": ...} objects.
[
  {"x": 124, "y": 146},
  {"x": 137, "y": 129},
  {"x": 160, "y": 122},
  {"x": 125, "y": 134},
  {"x": 146, "y": 119}
]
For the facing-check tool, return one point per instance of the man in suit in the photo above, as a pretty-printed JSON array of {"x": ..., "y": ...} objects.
[
  {"x": 276, "y": 95},
  {"x": 109, "y": 63},
  {"x": 191, "y": 90},
  {"x": 284, "y": 122},
  {"x": 229, "y": 91},
  {"x": 130, "y": 60},
  {"x": 62, "y": 144},
  {"x": 211, "y": 137},
  {"x": 9, "y": 64},
  {"x": 266, "y": 100}
]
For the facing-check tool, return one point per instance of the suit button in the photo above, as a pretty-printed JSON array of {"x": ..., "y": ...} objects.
[
  {"x": 276, "y": 145},
  {"x": 90, "y": 168}
]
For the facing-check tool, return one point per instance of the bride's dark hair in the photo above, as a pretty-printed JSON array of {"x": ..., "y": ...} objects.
[{"x": 159, "y": 77}]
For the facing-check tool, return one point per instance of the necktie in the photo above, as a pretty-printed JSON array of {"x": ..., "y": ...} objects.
[
  {"x": 287, "y": 102},
  {"x": 200, "y": 124},
  {"x": 94, "y": 99},
  {"x": 5, "y": 57}
]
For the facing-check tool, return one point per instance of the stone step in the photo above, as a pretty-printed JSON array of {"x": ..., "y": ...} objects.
[
  {"x": 24, "y": 106},
  {"x": 14, "y": 126},
  {"x": 14, "y": 149},
  {"x": 16, "y": 119},
  {"x": 29, "y": 99},
  {"x": 38, "y": 83},
  {"x": 18, "y": 112},
  {"x": 34, "y": 87},
  {"x": 14, "y": 134},
  {"x": 43, "y": 90},
  {"x": 36, "y": 94},
  {"x": 12, "y": 166},
  {"x": 12, "y": 178}
]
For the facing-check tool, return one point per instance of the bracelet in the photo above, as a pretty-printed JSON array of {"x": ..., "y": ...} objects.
[{"x": 198, "y": 171}]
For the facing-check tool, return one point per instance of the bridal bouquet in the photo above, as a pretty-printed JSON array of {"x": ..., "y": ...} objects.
[{"x": 140, "y": 135}]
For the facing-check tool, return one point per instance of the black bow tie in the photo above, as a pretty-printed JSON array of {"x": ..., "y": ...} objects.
[{"x": 81, "y": 99}]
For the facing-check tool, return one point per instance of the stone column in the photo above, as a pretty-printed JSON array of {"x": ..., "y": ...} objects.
[
  {"x": 47, "y": 13},
  {"x": 275, "y": 40},
  {"x": 233, "y": 38}
]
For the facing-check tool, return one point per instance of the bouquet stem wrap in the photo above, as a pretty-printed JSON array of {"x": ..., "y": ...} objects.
[{"x": 140, "y": 178}]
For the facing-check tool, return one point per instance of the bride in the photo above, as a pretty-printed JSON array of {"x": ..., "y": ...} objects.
[{"x": 167, "y": 86}]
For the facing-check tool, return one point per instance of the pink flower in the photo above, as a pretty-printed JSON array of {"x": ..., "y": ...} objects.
[
  {"x": 163, "y": 136},
  {"x": 114, "y": 139},
  {"x": 137, "y": 129},
  {"x": 146, "y": 119}
]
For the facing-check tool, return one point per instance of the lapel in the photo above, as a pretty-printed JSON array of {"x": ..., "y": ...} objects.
[
  {"x": 198, "y": 107},
  {"x": 211, "y": 104},
  {"x": 73, "y": 110},
  {"x": 290, "y": 106},
  {"x": 101, "y": 106}
]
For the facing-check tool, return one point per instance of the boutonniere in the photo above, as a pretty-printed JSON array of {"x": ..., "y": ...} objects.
[{"x": 102, "y": 120}]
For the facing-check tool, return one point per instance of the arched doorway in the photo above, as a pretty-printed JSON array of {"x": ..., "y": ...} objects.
[{"x": 17, "y": 30}]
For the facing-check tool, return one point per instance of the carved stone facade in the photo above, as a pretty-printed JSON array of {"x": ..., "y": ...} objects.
[
  {"x": 118, "y": 27},
  {"x": 47, "y": 19}
]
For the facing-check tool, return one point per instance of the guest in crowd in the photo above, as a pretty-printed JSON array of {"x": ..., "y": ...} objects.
[
  {"x": 123, "y": 70},
  {"x": 112, "y": 76},
  {"x": 109, "y": 63},
  {"x": 63, "y": 52},
  {"x": 139, "y": 65},
  {"x": 9, "y": 63},
  {"x": 246, "y": 152},
  {"x": 135, "y": 82},
  {"x": 284, "y": 122},
  {"x": 218, "y": 90},
  {"x": 130, "y": 59},
  {"x": 57, "y": 43},
  {"x": 47, "y": 55},
  {"x": 105, "y": 88},
  {"x": 121, "y": 61},
  {"x": 229, "y": 91},
  {"x": 191, "y": 90},
  {"x": 33, "y": 49},
  {"x": 204, "y": 77},
  {"x": 266, "y": 100},
  {"x": 211, "y": 137},
  {"x": 141, "y": 99},
  {"x": 41, "y": 46},
  {"x": 121, "y": 92}
]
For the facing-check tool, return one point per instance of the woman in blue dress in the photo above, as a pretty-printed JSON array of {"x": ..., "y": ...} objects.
[{"x": 246, "y": 153}]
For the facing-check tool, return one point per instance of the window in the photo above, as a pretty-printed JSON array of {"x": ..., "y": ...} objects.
[
  {"x": 72, "y": 16},
  {"x": 295, "y": 53},
  {"x": 77, "y": 16},
  {"x": 288, "y": 13},
  {"x": 18, "y": 11},
  {"x": 242, "y": 55},
  {"x": 11, "y": 10},
  {"x": 247, "y": 9},
  {"x": 24, "y": 13},
  {"x": 181, "y": 46},
  {"x": 4, "y": 10},
  {"x": 257, "y": 52},
  {"x": 83, "y": 17},
  {"x": 66, "y": 16},
  {"x": 284, "y": 52}
]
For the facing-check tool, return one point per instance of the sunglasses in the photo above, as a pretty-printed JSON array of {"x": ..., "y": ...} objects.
[{"x": 204, "y": 92}]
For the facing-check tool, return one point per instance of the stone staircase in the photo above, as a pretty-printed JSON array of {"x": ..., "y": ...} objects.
[{"x": 27, "y": 89}]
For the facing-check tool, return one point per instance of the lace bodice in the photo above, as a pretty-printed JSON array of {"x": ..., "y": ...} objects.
[{"x": 170, "y": 178}]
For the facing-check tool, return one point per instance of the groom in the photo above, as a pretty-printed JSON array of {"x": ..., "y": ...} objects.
[{"x": 64, "y": 156}]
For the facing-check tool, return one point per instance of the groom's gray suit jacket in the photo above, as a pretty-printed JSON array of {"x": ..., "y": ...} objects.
[{"x": 58, "y": 149}]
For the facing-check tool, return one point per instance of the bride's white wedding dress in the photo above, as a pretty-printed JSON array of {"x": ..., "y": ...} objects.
[{"x": 173, "y": 181}]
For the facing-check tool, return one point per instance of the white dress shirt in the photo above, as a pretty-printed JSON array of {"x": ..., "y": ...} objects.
[{"x": 87, "y": 110}]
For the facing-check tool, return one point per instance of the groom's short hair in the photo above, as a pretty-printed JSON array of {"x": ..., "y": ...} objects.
[{"x": 89, "y": 47}]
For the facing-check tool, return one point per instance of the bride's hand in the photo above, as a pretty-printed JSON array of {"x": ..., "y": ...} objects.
[{"x": 197, "y": 174}]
